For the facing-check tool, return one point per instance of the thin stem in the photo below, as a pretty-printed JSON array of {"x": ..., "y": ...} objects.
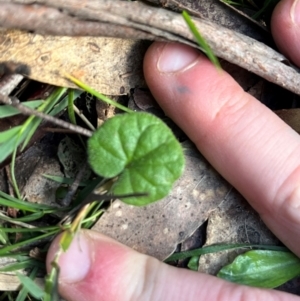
[{"x": 29, "y": 112}]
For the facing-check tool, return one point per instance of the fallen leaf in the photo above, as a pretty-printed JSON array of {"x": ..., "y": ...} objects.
[
  {"x": 291, "y": 117},
  {"x": 111, "y": 66},
  {"x": 234, "y": 221}
]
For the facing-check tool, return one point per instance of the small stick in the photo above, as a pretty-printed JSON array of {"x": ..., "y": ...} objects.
[
  {"x": 13, "y": 101},
  {"x": 73, "y": 188}
]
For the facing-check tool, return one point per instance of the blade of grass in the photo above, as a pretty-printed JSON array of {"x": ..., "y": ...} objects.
[
  {"x": 63, "y": 180},
  {"x": 7, "y": 200},
  {"x": 221, "y": 247},
  {"x": 29, "y": 263},
  {"x": 200, "y": 40},
  {"x": 51, "y": 285},
  {"x": 29, "y": 286},
  {"x": 48, "y": 105},
  {"x": 8, "y": 111},
  {"x": 7, "y": 249},
  {"x": 96, "y": 94},
  {"x": 71, "y": 112},
  {"x": 22, "y": 205},
  {"x": 37, "y": 229}
]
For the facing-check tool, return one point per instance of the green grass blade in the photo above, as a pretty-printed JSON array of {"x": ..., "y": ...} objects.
[
  {"x": 97, "y": 94},
  {"x": 26, "y": 206},
  {"x": 71, "y": 112},
  {"x": 221, "y": 247},
  {"x": 8, "y": 111},
  {"x": 30, "y": 230},
  {"x": 200, "y": 40},
  {"x": 9, "y": 134},
  {"x": 8, "y": 141},
  {"x": 7, "y": 200},
  {"x": 29, "y": 263},
  {"x": 3, "y": 238},
  {"x": 33, "y": 122},
  {"x": 7, "y": 249},
  {"x": 30, "y": 217},
  {"x": 63, "y": 180},
  {"x": 51, "y": 285},
  {"x": 29, "y": 286}
]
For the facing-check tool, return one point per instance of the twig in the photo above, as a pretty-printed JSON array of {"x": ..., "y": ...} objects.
[
  {"x": 47, "y": 20},
  {"x": 27, "y": 111},
  {"x": 73, "y": 188},
  {"x": 9, "y": 82},
  {"x": 13, "y": 221},
  {"x": 226, "y": 44},
  {"x": 83, "y": 118}
]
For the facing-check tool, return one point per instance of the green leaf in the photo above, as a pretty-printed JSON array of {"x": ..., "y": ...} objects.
[
  {"x": 66, "y": 239},
  {"x": 262, "y": 268},
  {"x": 142, "y": 151},
  {"x": 194, "y": 263}
]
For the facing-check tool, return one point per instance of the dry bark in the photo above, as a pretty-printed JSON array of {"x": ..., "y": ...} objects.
[{"x": 139, "y": 20}]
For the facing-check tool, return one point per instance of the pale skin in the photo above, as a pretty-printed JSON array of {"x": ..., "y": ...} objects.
[{"x": 250, "y": 146}]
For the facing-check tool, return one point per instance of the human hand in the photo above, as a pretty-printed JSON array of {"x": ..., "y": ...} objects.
[{"x": 250, "y": 146}]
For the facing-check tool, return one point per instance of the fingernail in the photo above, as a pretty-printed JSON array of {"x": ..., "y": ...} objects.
[
  {"x": 75, "y": 263},
  {"x": 295, "y": 12},
  {"x": 176, "y": 57}
]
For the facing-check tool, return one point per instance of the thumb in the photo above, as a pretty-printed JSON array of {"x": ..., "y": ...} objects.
[
  {"x": 285, "y": 25},
  {"x": 96, "y": 267}
]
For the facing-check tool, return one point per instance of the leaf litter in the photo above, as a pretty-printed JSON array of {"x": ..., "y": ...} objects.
[{"x": 198, "y": 195}]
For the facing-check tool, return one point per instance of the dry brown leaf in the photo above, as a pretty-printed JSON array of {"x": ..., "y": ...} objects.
[
  {"x": 156, "y": 229},
  {"x": 109, "y": 65},
  {"x": 291, "y": 117},
  {"x": 234, "y": 221},
  {"x": 31, "y": 166}
]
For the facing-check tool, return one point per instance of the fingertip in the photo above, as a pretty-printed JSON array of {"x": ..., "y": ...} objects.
[
  {"x": 89, "y": 269},
  {"x": 76, "y": 262},
  {"x": 285, "y": 27}
]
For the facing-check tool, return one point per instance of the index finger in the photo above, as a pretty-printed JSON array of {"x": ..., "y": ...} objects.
[{"x": 248, "y": 144}]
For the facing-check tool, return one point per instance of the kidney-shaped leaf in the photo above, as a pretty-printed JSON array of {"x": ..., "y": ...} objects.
[
  {"x": 142, "y": 151},
  {"x": 262, "y": 268}
]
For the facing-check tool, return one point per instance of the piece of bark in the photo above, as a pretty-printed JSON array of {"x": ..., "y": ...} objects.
[
  {"x": 40, "y": 159},
  {"x": 111, "y": 66},
  {"x": 220, "y": 14}
]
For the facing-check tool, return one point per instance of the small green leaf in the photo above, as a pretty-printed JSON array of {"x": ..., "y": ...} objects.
[
  {"x": 194, "y": 263},
  {"x": 262, "y": 268},
  {"x": 142, "y": 151},
  {"x": 66, "y": 239}
]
